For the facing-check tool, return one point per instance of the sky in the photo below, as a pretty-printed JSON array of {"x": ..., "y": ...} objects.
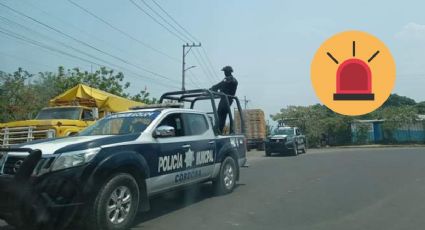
[{"x": 269, "y": 43}]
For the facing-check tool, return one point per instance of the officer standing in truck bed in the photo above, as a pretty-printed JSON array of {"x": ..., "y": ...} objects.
[{"x": 227, "y": 86}]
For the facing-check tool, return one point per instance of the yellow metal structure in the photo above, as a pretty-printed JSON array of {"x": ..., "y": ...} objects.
[
  {"x": 55, "y": 121},
  {"x": 90, "y": 97}
]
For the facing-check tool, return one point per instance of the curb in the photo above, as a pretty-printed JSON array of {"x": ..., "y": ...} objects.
[{"x": 376, "y": 146}]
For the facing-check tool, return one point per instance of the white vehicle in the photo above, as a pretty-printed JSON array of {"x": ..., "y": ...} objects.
[{"x": 107, "y": 173}]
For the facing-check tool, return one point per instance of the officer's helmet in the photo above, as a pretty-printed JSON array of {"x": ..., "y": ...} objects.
[{"x": 227, "y": 69}]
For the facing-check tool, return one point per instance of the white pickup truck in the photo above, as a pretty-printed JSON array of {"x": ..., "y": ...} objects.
[{"x": 107, "y": 173}]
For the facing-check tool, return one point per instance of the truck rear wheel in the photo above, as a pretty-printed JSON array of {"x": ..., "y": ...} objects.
[
  {"x": 226, "y": 179},
  {"x": 116, "y": 204}
]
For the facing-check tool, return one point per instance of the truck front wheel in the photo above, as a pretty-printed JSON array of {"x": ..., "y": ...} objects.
[
  {"x": 116, "y": 204},
  {"x": 226, "y": 179},
  {"x": 295, "y": 150}
]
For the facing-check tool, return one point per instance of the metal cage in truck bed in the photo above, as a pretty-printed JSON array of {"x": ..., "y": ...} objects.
[{"x": 192, "y": 96}]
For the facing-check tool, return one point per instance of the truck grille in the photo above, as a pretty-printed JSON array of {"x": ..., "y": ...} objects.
[
  {"x": 277, "y": 140},
  {"x": 18, "y": 135},
  {"x": 12, "y": 164}
]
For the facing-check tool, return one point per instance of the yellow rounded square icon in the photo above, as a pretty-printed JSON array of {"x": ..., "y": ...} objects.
[{"x": 353, "y": 73}]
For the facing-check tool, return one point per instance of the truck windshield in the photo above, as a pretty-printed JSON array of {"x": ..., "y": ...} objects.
[
  {"x": 284, "y": 131},
  {"x": 121, "y": 123},
  {"x": 59, "y": 113}
]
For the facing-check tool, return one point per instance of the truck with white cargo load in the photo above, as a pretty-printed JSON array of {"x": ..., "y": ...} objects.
[
  {"x": 108, "y": 172},
  {"x": 255, "y": 127}
]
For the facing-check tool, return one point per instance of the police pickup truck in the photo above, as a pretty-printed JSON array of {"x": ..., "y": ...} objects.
[
  {"x": 107, "y": 173},
  {"x": 285, "y": 139}
]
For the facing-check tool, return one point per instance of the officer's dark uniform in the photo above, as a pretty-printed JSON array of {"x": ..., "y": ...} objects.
[{"x": 227, "y": 86}]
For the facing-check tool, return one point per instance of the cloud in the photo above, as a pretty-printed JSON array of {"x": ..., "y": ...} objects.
[{"x": 411, "y": 32}]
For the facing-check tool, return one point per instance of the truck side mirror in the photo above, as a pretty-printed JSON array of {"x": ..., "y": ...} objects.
[
  {"x": 95, "y": 112},
  {"x": 164, "y": 131}
]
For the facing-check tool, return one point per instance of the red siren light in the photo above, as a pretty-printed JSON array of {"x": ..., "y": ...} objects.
[
  {"x": 353, "y": 78},
  {"x": 353, "y": 81}
]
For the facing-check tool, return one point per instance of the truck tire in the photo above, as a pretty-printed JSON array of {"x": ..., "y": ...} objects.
[
  {"x": 295, "y": 150},
  {"x": 268, "y": 153},
  {"x": 304, "y": 149},
  {"x": 226, "y": 179},
  {"x": 261, "y": 146},
  {"x": 116, "y": 204}
]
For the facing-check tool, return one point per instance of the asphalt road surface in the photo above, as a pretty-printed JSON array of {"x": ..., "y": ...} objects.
[{"x": 359, "y": 188}]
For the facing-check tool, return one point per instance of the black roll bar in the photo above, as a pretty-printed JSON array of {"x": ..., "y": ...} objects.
[{"x": 195, "y": 95}]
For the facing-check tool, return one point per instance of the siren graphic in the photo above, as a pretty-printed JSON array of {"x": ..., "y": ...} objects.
[
  {"x": 353, "y": 78},
  {"x": 353, "y": 73}
]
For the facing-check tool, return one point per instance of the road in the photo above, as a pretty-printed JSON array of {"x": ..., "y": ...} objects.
[{"x": 357, "y": 188}]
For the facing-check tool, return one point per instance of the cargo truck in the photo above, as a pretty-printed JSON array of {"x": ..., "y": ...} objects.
[
  {"x": 255, "y": 125},
  {"x": 66, "y": 115}
]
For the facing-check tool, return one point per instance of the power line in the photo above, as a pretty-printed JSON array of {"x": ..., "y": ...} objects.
[
  {"x": 193, "y": 77},
  {"x": 73, "y": 26},
  {"x": 201, "y": 62},
  {"x": 206, "y": 63},
  {"x": 39, "y": 44},
  {"x": 61, "y": 43},
  {"x": 52, "y": 49},
  {"x": 206, "y": 74},
  {"x": 210, "y": 63},
  {"x": 83, "y": 43},
  {"x": 178, "y": 24},
  {"x": 166, "y": 21},
  {"x": 158, "y": 22},
  {"x": 56, "y": 41},
  {"x": 123, "y": 32},
  {"x": 189, "y": 35},
  {"x": 194, "y": 83},
  {"x": 187, "y": 45},
  {"x": 24, "y": 59}
]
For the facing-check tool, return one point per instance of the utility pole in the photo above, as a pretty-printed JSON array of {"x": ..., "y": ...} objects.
[
  {"x": 184, "y": 69},
  {"x": 245, "y": 101}
]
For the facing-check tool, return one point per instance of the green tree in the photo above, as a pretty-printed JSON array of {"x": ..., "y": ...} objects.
[
  {"x": 16, "y": 95},
  {"x": 397, "y": 100},
  {"x": 103, "y": 79},
  {"x": 361, "y": 133},
  {"x": 420, "y": 107},
  {"x": 23, "y": 94},
  {"x": 144, "y": 96},
  {"x": 315, "y": 121},
  {"x": 395, "y": 118}
]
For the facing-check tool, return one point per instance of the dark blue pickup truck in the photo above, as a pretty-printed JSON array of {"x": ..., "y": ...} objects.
[{"x": 107, "y": 173}]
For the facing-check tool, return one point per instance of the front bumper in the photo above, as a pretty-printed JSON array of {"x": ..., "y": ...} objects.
[
  {"x": 52, "y": 199},
  {"x": 278, "y": 147},
  {"x": 7, "y": 204}
]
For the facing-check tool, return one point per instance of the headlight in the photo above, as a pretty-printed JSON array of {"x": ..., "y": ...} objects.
[
  {"x": 51, "y": 133},
  {"x": 75, "y": 158}
]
